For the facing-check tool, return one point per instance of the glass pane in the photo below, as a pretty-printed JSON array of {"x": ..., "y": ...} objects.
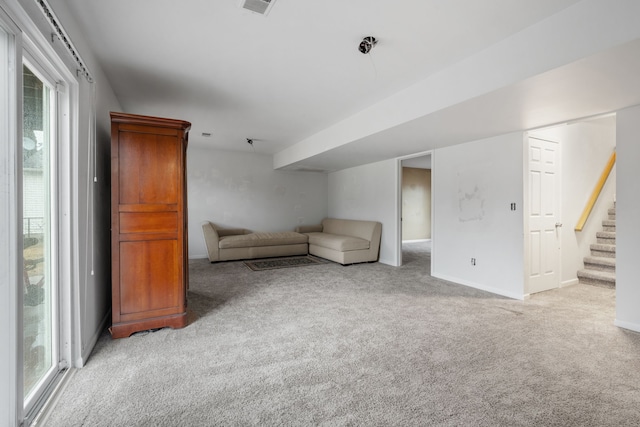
[{"x": 37, "y": 283}]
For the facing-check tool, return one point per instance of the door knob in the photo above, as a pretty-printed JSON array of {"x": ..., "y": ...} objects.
[{"x": 558, "y": 224}]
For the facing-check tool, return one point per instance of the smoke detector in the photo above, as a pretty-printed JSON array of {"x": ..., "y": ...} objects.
[{"x": 261, "y": 7}]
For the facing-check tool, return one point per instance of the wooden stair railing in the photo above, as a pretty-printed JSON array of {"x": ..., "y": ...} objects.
[{"x": 596, "y": 192}]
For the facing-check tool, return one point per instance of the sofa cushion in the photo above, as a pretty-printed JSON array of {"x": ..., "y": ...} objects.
[
  {"x": 262, "y": 239},
  {"x": 338, "y": 242}
]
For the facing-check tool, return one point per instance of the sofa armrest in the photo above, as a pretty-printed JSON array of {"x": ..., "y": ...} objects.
[
  {"x": 374, "y": 243},
  {"x": 211, "y": 239},
  {"x": 309, "y": 228},
  {"x": 212, "y": 235}
]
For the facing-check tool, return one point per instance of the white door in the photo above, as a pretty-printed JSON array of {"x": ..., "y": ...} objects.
[{"x": 542, "y": 251}]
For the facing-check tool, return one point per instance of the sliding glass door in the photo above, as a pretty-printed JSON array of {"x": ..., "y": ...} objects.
[
  {"x": 39, "y": 284},
  {"x": 38, "y": 95}
]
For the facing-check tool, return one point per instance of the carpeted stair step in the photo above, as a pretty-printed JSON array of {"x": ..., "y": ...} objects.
[
  {"x": 600, "y": 263},
  {"x": 603, "y": 250},
  {"x": 609, "y": 225},
  {"x": 606, "y": 237},
  {"x": 604, "y": 279},
  {"x": 612, "y": 213}
]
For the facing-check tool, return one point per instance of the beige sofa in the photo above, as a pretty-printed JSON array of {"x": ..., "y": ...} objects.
[
  {"x": 233, "y": 244},
  {"x": 345, "y": 241}
]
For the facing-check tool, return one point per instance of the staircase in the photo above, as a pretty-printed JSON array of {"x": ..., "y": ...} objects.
[{"x": 600, "y": 267}]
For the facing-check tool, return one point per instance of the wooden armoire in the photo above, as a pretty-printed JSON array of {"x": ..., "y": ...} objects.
[{"x": 148, "y": 223}]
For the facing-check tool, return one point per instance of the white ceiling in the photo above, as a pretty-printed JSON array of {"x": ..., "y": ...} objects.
[
  {"x": 596, "y": 85},
  {"x": 281, "y": 78}
]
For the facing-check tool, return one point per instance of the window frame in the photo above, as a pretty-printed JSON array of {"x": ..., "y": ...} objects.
[
  {"x": 26, "y": 39},
  {"x": 11, "y": 318},
  {"x": 44, "y": 74}
]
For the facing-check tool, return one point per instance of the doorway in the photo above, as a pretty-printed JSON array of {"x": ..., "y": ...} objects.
[
  {"x": 586, "y": 147},
  {"x": 415, "y": 228}
]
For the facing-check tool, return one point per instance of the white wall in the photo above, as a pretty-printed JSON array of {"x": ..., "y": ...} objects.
[
  {"x": 369, "y": 192},
  {"x": 474, "y": 185},
  {"x": 627, "y": 215},
  {"x": 241, "y": 190},
  {"x": 586, "y": 148}
]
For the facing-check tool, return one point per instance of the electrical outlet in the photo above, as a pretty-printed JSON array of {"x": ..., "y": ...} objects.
[
  {"x": 473, "y": 261},
  {"x": 513, "y": 206}
]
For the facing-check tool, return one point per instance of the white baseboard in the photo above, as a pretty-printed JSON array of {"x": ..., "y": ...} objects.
[
  {"x": 493, "y": 290},
  {"x": 635, "y": 327},
  {"x": 198, "y": 256},
  {"x": 569, "y": 283},
  {"x": 386, "y": 261}
]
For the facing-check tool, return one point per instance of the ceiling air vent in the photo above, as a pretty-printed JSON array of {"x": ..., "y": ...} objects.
[{"x": 257, "y": 6}]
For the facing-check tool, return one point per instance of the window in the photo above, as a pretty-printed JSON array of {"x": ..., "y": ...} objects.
[{"x": 40, "y": 297}]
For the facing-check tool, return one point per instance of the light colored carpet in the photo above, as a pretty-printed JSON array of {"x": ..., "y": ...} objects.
[{"x": 364, "y": 345}]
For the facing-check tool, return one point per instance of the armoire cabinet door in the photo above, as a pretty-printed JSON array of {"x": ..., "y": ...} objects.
[{"x": 148, "y": 276}]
